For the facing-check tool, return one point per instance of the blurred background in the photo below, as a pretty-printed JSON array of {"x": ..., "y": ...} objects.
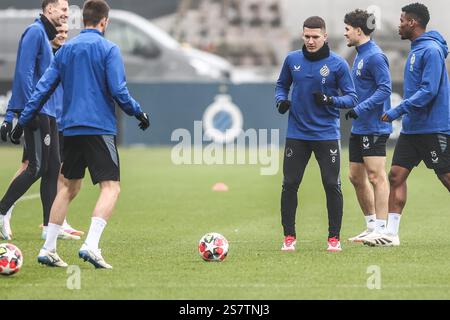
[{"x": 184, "y": 56}]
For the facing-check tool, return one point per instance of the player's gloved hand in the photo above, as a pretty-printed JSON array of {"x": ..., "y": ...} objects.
[
  {"x": 391, "y": 115},
  {"x": 351, "y": 114},
  {"x": 5, "y": 130},
  {"x": 16, "y": 133},
  {"x": 322, "y": 99},
  {"x": 144, "y": 121},
  {"x": 283, "y": 106}
]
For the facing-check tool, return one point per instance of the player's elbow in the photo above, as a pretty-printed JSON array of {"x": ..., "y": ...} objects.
[
  {"x": 281, "y": 91},
  {"x": 115, "y": 92},
  {"x": 117, "y": 87},
  {"x": 385, "y": 90},
  {"x": 428, "y": 93}
]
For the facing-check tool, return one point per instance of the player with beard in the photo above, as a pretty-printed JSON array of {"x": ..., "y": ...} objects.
[{"x": 425, "y": 108}]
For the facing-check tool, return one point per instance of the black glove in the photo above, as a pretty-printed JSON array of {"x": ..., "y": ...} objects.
[
  {"x": 144, "y": 121},
  {"x": 351, "y": 114},
  {"x": 283, "y": 106},
  {"x": 16, "y": 133},
  {"x": 322, "y": 99},
  {"x": 5, "y": 130}
]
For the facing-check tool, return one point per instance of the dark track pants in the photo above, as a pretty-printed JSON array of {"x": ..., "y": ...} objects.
[
  {"x": 296, "y": 157},
  {"x": 42, "y": 151}
]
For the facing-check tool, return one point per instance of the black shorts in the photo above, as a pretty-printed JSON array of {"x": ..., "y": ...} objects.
[
  {"x": 97, "y": 153},
  {"x": 50, "y": 129},
  {"x": 361, "y": 146},
  {"x": 433, "y": 149},
  {"x": 61, "y": 146}
]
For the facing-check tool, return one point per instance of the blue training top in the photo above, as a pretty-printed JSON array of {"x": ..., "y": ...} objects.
[
  {"x": 91, "y": 71},
  {"x": 373, "y": 85},
  {"x": 331, "y": 76},
  {"x": 426, "y": 104},
  {"x": 34, "y": 56}
]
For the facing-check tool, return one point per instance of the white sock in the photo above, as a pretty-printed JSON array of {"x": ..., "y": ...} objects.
[
  {"x": 370, "y": 221},
  {"x": 44, "y": 228},
  {"x": 380, "y": 226},
  {"x": 393, "y": 223},
  {"x": 9, "y": 213},
  {"x": 52, "y": 236},
  {"x": 95, "y": 232}
]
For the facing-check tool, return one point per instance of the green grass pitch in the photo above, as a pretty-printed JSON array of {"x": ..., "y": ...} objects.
[{"x": 164, "y": 209}]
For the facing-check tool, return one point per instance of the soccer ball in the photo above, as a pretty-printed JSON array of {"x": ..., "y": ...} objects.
[
  {"x": 11, "y": 259},
  {"x": 213, "y": 247}
]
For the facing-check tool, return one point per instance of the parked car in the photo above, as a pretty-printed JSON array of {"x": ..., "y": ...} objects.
[{"x": 150, "y": 54}]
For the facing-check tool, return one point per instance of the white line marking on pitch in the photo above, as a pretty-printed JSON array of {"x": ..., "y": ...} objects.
[{"x": 30, "y": 197}]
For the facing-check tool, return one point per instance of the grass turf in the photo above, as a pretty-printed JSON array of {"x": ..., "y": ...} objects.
[{"x": 164, "y": 209}]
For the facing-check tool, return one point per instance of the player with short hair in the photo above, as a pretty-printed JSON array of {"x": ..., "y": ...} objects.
[
  {"x": 316, "y": 76},
  {"x": 34, "y": 56},
  {"x": 67, "y": 232},
  {"x": 92, "y": 73},
  {"x": 367, "y": 146},
  {"x": 425, "y": 109}
]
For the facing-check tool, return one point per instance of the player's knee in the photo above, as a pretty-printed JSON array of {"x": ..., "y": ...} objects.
[
  {"x": 70, "y": 189},
  {"x": 290, "y": 184},
  {"x": 356, "y": 180},
  {"x": 34, "y": 171},
  {"x": 112, "y": 187},
  {"x": 117, "y": 189},
  {"x": 376, "y": 178},
  {"x": 74, "y": 190},
  {"x": 331, "y": 185},
  {"x": 395, "y": 178}
]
